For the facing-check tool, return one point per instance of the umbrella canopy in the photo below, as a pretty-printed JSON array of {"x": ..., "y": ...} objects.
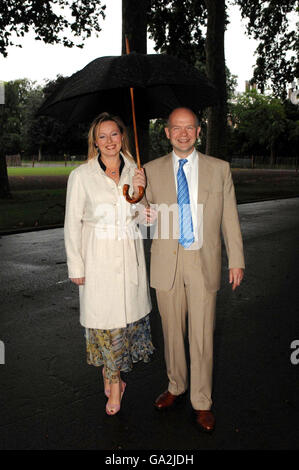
[{"x": 161, "y": 82}]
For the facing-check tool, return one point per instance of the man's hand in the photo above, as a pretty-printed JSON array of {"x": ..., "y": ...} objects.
[
  {"x": 138, "y": 180},
  {"x": 79, "y": 281},
  {"x": 150, "y": 215},
  {"x": 235, "y": 277}
]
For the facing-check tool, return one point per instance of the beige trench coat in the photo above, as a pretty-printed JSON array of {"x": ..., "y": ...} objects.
[{"x": 104, "y": 245}]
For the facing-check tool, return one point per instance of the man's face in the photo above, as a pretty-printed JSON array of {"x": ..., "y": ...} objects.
[{"x": 182, "y": 132}]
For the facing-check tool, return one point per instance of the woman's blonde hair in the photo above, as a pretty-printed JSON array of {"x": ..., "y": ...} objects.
[{"x": 103, "y": 117}]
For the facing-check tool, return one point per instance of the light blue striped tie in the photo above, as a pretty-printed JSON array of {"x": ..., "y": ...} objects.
[{"x": 185, "y": 217}]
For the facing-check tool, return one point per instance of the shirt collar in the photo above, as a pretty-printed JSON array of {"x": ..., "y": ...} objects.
[
  {"x": 103, "y": 166},
  {"x": 190, "y": 159}
]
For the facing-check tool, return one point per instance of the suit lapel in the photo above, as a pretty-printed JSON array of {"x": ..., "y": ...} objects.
[
  {"x": 167, "y": 175},
  {"x": 204, "y": 178}
]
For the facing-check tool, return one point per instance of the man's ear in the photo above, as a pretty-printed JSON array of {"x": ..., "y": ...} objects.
[
  {"x": 198, "y": 132},
  {"x": 166, "y": 129}
]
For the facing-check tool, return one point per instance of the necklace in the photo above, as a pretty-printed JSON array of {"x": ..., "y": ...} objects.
[{"x": 113, "y": 173}]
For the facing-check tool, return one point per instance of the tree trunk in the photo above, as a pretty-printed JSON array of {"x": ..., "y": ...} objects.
[
  {"x": 4, "y": 182},
  {"x": 272, "y": 155},
  {"x": 134, "y": 26},
  {"x": 215, "y": 66}
]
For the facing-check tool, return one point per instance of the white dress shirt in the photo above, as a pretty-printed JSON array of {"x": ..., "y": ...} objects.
[{"x": 191, "y": 171}]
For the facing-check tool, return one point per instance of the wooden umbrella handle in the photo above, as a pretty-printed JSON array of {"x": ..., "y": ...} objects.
[
  {"x": 127, "y": 186},
  {"x": 133, "y": 200}
]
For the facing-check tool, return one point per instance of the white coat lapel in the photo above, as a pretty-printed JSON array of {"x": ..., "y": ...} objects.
[{"x": 94, "y": 166}]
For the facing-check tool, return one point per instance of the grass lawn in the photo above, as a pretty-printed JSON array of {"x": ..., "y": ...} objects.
[
  {"x": 40, "y": 171},
  {"x": 40, "y": 207},
  {"x": 32, "y": 209}
]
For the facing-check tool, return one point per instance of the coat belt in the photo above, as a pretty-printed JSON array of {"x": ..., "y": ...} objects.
[{"x": 130, "y": 234}]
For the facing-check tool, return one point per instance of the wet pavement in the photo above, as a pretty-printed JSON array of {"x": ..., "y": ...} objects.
[{"x": 51, "y": 399}]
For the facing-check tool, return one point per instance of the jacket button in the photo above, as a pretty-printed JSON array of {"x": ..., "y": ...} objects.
[{"x": 174, "y": 252}]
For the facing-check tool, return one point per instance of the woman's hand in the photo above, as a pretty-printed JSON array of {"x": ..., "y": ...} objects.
[
  {"x": 79, "y": 281},
  {"x": 138, "y": 180}
]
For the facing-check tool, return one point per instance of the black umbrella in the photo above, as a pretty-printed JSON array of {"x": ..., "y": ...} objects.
[{"x": 161, "y": 83}]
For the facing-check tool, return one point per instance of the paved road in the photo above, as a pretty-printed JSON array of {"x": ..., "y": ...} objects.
[{"x": 51, "y": 399}]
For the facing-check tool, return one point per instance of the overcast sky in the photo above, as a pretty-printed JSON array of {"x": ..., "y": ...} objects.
[{"x": 38, "y": 61}]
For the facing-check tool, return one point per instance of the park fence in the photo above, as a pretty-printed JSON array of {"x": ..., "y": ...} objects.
[
  {"x": 13, "y": 160},
  {"x": 48, "y": 160},
  {"x": 258, "y": 161}
]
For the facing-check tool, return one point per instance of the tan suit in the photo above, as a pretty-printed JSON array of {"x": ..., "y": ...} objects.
[{"x": 188, "y": 280}]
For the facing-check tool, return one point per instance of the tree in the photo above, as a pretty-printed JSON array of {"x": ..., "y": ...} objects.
[
  {"x": 231, "y": 84},
  {"x": 11, "y": 116},
  {"x": 277, "y": 52},
  {"x": 33, "y": 129},
  {"x": 288, "y": 144},
  {"x": 178, "y": 27},
  {"x": 216, "y": 71},
  {"x": 260, "y": 123},
  {"x": 50, "y": 24},
  {"x": 49, "y": 21},
  {"x": 43, "y": 133},
  {"x": 134, "y": 26},
  {"x": 158, "y": 144}
]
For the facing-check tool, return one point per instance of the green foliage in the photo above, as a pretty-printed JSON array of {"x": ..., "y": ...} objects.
[
  {"x": 264, "y": 124},
  {"x": 231, "y": 84},
  {"x": 177, "y": 28},
  {"x": 12, "y": 114},
  {"x": 277, "y": 52},
  {"x": 22, "y": 131},
  {"x": 51, "y": 21},
  {"x": 51, "y": 134},
  {"x": 159, "y": 144}
]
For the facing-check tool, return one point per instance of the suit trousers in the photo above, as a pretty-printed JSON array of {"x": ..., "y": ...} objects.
[{"x": 189, "y": 301}]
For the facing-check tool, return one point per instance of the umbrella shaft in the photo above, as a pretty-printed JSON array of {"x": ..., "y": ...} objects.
[
  {"x": 133, "y": 112},
  {"x": 135, "y": 128}
]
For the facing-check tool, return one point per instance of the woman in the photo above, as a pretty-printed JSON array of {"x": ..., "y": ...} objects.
[{"x": 105, "y": 256}]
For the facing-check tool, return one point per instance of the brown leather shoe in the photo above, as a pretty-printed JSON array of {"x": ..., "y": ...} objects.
[
  {"x": 166, "y": 400},
  {"x": 205, "y": 420}
]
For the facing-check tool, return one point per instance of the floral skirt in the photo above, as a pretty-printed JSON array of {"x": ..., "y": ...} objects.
[{"x": 120, "y": 348}]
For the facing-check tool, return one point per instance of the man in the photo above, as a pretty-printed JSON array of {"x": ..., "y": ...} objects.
[{"x": 186, "y": 265}]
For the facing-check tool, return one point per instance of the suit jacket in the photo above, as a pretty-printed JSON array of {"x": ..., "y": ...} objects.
[{"x": 217, "y": 195}]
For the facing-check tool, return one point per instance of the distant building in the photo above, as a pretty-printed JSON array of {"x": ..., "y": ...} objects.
[
  {"x": 249, "y": 86},
  {"x": 293, "y": 92},
  {"x": 2, "y": 94}
]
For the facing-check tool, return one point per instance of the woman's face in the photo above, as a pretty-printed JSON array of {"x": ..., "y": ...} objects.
[{"x": 108, "y": 139}]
